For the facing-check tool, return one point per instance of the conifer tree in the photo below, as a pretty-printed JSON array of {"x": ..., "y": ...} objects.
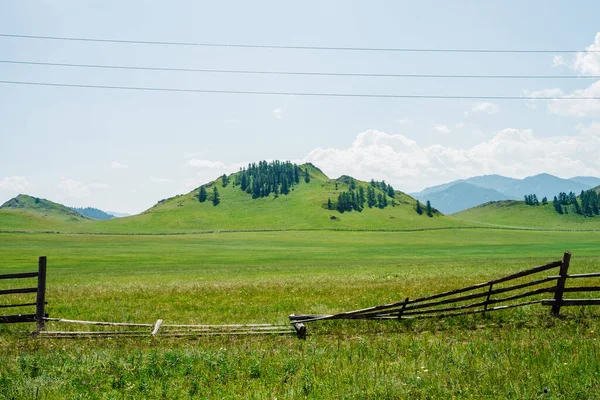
[
  {"x": 428, "y": 208},
  {"x": 361, "y": 197},
  {"x": 371, "y": 199},
  {"x": 215, "y": 197},
  {"x": 202, "y": 195},
  {"x": 557, "y": 206},
  {"x": 390, "y": 191},
  {"x": 224, "y": 180},
  {"x": 419, "y": 209},
  {"x": 380, "y": 200},
  {"x": 306, "y": 175},
  {"x": 329, "y": 205}
]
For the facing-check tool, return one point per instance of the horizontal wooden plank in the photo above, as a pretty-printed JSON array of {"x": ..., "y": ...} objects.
[
  {"x": 12, "y": 319},
  {"x": 21, "y": 275},
  {"x": 580, "y": 276},
  {"x": 17, "y": 305},
  {"x": 466, "y": 312},
  {"x": 375, "y": 309},
  {"x": 582, "y": 289},
  {"x": 573, "y": 302},
  {"x": 482, "y": 303},
  {"x": 485, "y": 294},
  {"x": 20, "y": 290}
]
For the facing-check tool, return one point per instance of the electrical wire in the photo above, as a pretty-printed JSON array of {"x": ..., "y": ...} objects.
[
  {"x": 301, "y": 73},
  {"x": 314, "y": 94},
  {"x": 291, "y": 47}
]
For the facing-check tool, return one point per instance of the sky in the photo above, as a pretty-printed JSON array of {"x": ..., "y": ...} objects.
[{"x": 126, "y": 150}]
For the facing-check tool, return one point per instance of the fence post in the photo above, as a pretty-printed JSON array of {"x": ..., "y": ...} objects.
[
  {"x": 487, "y": 300},
  {"x": 41, "y": 295},
  {"x": 560, "y": 284},
  {"x": 402, "y": 309}
]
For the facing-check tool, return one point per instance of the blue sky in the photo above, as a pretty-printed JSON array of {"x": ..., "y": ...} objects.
[{"x": 124, "y": 151}]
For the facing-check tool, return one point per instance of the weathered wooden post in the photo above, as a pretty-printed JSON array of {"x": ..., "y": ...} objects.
[
  {"x": 41, "y": 295},
  {"x": 560, "y": 284},
  {"x": 487, "y": 299},
  {"x": 402, "y": 309}
]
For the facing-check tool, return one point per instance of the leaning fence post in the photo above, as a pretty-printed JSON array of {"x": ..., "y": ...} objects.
[
  {"x": 41, "y": 295},
  {"x": 402, "y": 309},
  {"x": 560, "y": 284},
  {"x": 487, "y": 300}
]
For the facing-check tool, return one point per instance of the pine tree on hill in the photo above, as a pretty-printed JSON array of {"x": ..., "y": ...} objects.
[
  {"x": 390, "y": 191},
  {"x": 557, "y": 206},
  {"x": 371, "y": 198},
  {"x": 419, "y": 209},
  {"x": 202, "y": 195},
  {"x": 216, "y": 199},
  {"x": 428, "y": 208},
  {"x": 361, "y": 197},
  {"x": 306, "y": 176},
  {"x": 380, "y": 200}
]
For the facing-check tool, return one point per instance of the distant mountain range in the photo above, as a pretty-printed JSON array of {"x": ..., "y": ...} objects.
[
  {"x": 91, "y": 212},
  {"x": 462, "y": 194}
]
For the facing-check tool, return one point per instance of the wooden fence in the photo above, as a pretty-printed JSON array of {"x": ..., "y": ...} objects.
[
  {"x": 40, "y": 302},
  {"x": 481, "y": 297}
]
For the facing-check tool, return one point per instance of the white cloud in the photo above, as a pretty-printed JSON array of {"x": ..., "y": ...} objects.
[
  {"x": 559, "y": 61},
  {"x": 484, "y": 107},
  {"x": 118, "y": 165},
  {"x": 73, "y": 188},
  {"x": 196, "y": 163},
  {"x": 441, "y": 128},
  {"x": 588, "y": 62},
  {"x": 15, "y": 184},
  {"x": 410, "y": 167},
  {"x": 207, "y": 171},
  {"x": 592, "y": 130},
  {"x": 573, "y": 108},
  {"x": 159, "y": 180},
  {"x": 278, "y": 113},
  {"x": 405, "y": 121}
]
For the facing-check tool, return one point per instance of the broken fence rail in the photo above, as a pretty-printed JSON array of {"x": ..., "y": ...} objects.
[{"x": 467, "y": 300}]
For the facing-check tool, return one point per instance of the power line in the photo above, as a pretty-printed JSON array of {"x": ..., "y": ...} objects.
[
  {"x": 314, "y": 94},
  {"x": 308, "y": 73},
  {"x": 291, "y": 47}
]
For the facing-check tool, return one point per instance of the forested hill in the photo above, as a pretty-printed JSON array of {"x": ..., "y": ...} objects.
[{"x": 283, "y": 195}]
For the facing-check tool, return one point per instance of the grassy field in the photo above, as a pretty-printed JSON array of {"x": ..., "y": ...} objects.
[{"x": 250, "y": 277}]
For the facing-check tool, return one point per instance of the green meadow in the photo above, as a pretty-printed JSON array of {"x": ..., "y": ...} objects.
[{"x": 262, "y": 277}]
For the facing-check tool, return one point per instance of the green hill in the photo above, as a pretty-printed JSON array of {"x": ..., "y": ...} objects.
[
  {"x": 305, "y": 207},
  {"x": 32, "y": 213},
  {"x": 512, "y": 213}
]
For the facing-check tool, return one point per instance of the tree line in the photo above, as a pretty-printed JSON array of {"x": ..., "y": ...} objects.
[
  {"x": 532, "y": 200},
  {"x": 588, "y": 203},
  {"x": 264, "y": 178}
]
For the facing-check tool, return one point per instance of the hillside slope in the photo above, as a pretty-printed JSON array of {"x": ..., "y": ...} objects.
[
  {"x": 26, "y": 213},
  {"x": 512, "y": 213},
  {"x": 305, "y": 207}
]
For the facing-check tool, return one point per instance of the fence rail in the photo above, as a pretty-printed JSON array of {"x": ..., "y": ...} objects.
[
  {"x": 468, "y": 299},
  {"x": 40, "y": 303}
]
